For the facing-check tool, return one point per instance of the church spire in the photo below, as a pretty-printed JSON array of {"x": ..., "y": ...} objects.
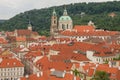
[
  {"x": 29, "y": 26},
  {"x": 53, "y": 28},
  {"x": 54, "y": 12},
  {"x": 65, "y": 12}
]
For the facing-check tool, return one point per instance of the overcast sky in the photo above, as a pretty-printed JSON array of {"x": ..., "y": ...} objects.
[{"x": 9, "y": 8}]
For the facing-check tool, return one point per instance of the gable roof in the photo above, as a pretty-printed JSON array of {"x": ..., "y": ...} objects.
[
  {"x": 10, "y": 63},
  {"x": 3, "y": 40},
  {"x": 23, "y": 32},
  {"x": 83, "y": 28}
]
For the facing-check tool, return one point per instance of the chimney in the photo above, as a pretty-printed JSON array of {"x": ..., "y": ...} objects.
[
  {"x": 75, "y": 30},
  {"x": 97, "y": 65},
  {"x": 22, "y": 46},
  {"x": 74, "y": 78},
  {"x": 38, "y": 74},
  {"x": 71, "y": 72},
  {"x": 15, "y": 32},
  {"x": 18, "y": 79},
  {"x": 41, "y": 73},
  {"x": 30, "y": 28},
  {"x": 110, "y": 64},
  {"x": 82, "y": 64},
  {"x": 52, "y": 69},
  {"x": 8, "y": 63},
  {"x": 14, "y": 63},
  {"x": 27, "y": 76},
  {"x": 1, "y": 60},
  {"x": 119, "y": 67}
]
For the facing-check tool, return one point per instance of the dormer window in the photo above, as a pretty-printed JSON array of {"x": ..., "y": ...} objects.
[
  {"x": 8, "y": 63},
  {"x": 14, "y": 63}
]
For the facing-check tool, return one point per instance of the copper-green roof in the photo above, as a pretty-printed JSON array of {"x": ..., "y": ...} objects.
[{"x": 65, "y": 18}]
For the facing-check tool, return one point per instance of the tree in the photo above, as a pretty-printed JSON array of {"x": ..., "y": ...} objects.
[
  {"x": 101, "y": 75},
  {"x": 77, "y": 73},
  {"x": 41, "y": 18},
  {"x": 117, "y": 58}
]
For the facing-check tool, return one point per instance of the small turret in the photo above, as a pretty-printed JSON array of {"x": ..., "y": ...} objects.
[
  {"x": 65, "y": 12},
  {"x": 54, "y": 12},
  {"x": 90, "y": 23},
  {"x": 29, "y": 26}
]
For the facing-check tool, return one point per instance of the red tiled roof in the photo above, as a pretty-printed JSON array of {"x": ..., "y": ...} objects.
[
  {"x": 46, "y": 75},
  {"x": 23, "y": 32},
  {"x": 7, "y": 56},
  {"x": 57, "y": 66},
  {"x": 82, "y": 28},
  {"x": 31, "y": 55},
  {"x": 92, "y": 33},
  {"x": 59, "y": 58},
  {"x": 35, "y": 33},
  {"x": 79, "y": 57},
  {"x": 64, "y": 48},
  {"x": 112, "y": 14},
  {"x": 114, "y": 72},
  {"x": 9, "y": 33},
  {"x": 20, "y": 39},
  {"x": 3, "y": 41},
  {"x": 17, "y": 49},
  {"x": 43, "y": 63},
  {"x": 20, "y": 49},
  {"x": 90, "y": 68},
  {"x": 31, "y": 39},
  {"x": 104, "y": 54},
  {"x": 43, "y": 38},
  {"x": 103, "y": 49},
  {"x": 11, "y": 62}
]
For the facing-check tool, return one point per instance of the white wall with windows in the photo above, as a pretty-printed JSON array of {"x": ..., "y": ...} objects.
[{"x": 12, "y": 73}]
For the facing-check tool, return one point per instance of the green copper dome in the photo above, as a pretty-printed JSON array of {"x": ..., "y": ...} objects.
[{"x": 65, "y": 18}]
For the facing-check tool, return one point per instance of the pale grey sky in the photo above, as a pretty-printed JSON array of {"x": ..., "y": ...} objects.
[{"x": 9, "y": 8}]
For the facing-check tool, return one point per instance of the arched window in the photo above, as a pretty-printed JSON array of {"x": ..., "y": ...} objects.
[
  {"x": 54, "y": 22},
  {"x": 67, "y": 26},
  {"x": 63, "y": 26}
]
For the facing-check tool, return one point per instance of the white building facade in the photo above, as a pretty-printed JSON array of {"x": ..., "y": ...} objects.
[{"x": 11, "y": 69}]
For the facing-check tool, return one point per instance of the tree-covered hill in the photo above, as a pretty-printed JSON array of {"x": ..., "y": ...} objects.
[
  {"x": 2, "y": 21},
  {"x": 81, "y": 13}
]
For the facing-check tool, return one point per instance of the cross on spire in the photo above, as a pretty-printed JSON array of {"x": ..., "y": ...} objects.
[
  {"x": 65, "y": 12},
  {"x": 54, "y": 12}
]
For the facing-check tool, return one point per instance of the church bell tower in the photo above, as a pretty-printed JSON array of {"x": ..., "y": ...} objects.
[{"x": 53, "y": 28}]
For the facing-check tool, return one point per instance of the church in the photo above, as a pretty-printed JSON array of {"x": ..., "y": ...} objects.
[
  {"x": 63, "y": 28},
  {"x": 63, "y": 23}
]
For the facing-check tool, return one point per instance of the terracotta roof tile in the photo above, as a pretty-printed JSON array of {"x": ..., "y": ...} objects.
[
  {"x": 11, "y": 62},
  {"x": 82, "y": 28},
  {"x": 3, "y": 41},
  {"x": 46, "y": 75},
  {"x": 23, "y": 32}
]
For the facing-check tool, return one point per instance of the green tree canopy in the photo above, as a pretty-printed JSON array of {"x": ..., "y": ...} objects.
[
  {"x": 40, "y": 18},
  {"x": 101, "y": 75}
]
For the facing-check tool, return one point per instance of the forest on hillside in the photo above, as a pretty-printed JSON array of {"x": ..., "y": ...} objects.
[{"x": 81, "y": 13}]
